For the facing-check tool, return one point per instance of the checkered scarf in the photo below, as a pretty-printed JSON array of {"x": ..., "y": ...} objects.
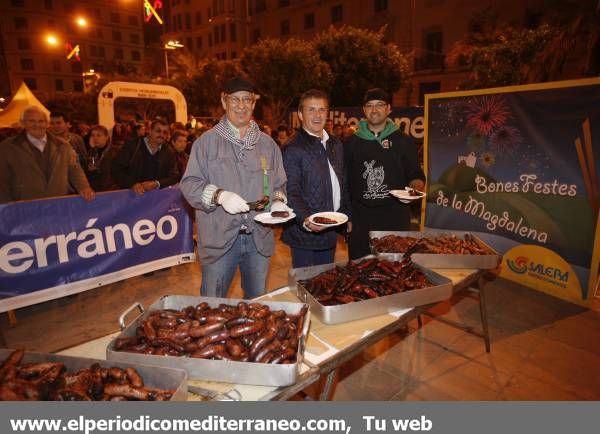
[{"x": 247, "y": 143}]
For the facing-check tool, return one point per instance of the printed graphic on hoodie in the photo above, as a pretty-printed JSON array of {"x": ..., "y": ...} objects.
[{"x": 376, "y": 189}]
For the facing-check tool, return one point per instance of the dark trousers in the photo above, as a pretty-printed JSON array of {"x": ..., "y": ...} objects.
[
  {"x": 364, "y": 220},
  {"x": 308, "y": 258}
]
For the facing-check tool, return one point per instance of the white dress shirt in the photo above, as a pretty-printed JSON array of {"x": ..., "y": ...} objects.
[
  {"x": 40, "y": 144},
  {"x": 335, "y": 183}
]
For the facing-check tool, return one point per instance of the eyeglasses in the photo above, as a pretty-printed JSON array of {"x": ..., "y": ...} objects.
[
  {"x": 245, "y": 100},
  {"x": 377, "y": 105},
  {"x": 314, "y": 110}
]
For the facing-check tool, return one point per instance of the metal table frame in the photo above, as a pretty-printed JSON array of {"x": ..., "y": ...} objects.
[
  {"x": 330, "y": 367},
  {"x": 326, "y": 370}
]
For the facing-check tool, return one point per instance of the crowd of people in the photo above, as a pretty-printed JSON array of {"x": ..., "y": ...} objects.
[
  {"x": 224, "y": 168},
  {"x": 108, "y": 161}
]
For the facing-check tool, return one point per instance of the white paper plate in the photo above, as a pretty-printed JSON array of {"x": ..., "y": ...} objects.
[
  {"x": 339, "y": 217},
  {"x": 266, "y": 219},
  {"x": 405, "y": 196}
]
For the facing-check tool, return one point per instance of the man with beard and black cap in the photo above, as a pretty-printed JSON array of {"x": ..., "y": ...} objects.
[
  {"x": 379, "y": 158},
  {"x": 230, "y": 165}
]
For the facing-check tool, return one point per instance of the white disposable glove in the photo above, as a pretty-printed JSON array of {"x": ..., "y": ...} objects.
[
  {"x": 280, "y": 206},
  {"x": 233, "y": 203}
]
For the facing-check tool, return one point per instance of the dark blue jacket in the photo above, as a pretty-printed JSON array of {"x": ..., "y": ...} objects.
[{"x": 309, "y": 187}]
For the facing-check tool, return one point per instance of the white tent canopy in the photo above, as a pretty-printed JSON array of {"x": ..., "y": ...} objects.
[{"x": 10, "y": 116}]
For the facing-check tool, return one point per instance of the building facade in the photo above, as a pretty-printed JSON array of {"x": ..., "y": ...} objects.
[
  {"x": 222, "y": 28},
  {"x": 37, "y": 36}
]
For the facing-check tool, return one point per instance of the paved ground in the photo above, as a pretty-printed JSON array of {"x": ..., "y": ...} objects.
[{"x": 542, "y": 348}]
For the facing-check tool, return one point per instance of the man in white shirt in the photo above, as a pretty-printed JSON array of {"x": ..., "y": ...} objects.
[
  {"x": 35, "y": 164},
  {"x": 314, "y": 165}
]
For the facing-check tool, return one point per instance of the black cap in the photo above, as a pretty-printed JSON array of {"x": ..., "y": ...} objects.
[
  {"x": 377, "y": 94},
  {"x": 238, "y": 84}
]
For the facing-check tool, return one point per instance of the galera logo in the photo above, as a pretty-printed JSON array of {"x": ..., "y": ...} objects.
[
  {"x": 522, "y": 265},
  {"x": 519, "y": 265}
]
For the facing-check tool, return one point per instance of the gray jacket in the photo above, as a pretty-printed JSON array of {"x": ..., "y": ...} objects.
[{"x": 214, "y": 160}]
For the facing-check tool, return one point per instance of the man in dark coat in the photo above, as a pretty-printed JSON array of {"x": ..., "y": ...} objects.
[
  {"x": 146, "y": 163},
  {"x": 379, "y": 158},
  {"x": 35, "y": 164},
  {"x": 314, "y": 165}
]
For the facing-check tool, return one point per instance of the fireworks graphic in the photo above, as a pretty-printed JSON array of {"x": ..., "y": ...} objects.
[
  {"x": 505, "y": 140},
  {"x": 488, "y": 159},
  {"x": 475, "y": 141},
  {"x": 450, "y": 116},
  {"x": 534, "y": 162},
  {"x": 487, "y": 113}
]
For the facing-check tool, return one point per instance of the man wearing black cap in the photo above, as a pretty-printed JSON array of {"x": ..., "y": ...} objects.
[
  {"x": 379, "y": 158},
  {"x": 232, "y": 164}
]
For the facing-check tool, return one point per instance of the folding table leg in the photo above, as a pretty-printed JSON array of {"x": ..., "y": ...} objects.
[
  {"x": 483, "y": 312},
  {"x": 12, "y": 318},
  {"x": 327, "y": 388}
]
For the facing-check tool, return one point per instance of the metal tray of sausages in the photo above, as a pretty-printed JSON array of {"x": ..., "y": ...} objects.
[
  {"x": 153, "y": 376},
  {"x": 227, "y": 371},
  {"x": 430, "y": 260},
  {"x": 441, "y": 290}
]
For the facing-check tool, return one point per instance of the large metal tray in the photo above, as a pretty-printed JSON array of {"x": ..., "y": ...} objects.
[
  {"x": 227, "y": 371},
  {"x": 153, "y": 376},
  {"x": 429, "y": 260},
  {"x": 442, "y": 290}
]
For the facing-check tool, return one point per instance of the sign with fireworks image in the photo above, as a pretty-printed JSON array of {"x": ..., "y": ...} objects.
[{"x": 517, "y": 165}]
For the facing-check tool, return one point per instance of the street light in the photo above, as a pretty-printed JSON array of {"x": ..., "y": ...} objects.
[
  {"x": 52, "y": 40},
  {"x": 170, "y": 45},
  {"x": 81, "y": 22}
]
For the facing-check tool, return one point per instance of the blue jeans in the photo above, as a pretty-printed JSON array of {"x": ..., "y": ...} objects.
[
  {"x": 217, "y": 277},
  {"x": 307, "y": 258}
]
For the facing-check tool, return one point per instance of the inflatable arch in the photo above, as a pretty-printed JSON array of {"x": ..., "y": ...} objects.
[{"x": 123, "y": 89}]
